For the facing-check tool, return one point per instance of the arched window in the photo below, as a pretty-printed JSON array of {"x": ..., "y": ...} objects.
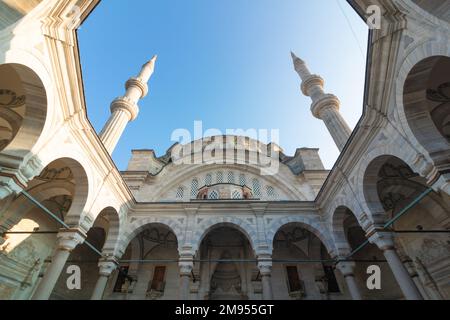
[
  {"x": 271, "y": 193},
  {"x": 214, "y": 195},
  {"x": 236, "y": 195},
  {"x": 256, "y": 188},
  {"x": 242, "y": 180},
  {"x": 231, "y": 177},
  {"x": 194, "y": 188},
  {"x": 180, "y": 193},
  {"x": 208, "y": 179},
  {"x": 219, "y": 177}
]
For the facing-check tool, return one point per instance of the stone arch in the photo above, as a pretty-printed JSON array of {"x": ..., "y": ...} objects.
[
  {"x": 412, "y": 98},
  {"x": 370, "y": 183},
  {"x": 441, "y": 209},
  {"x": 134, "y": 228},
  {"x": 340, "y": 213},
  {"x": 389, "y": 186},
  {"x": 313, "y": 225},
  {"x": 81, "y": 194},
  {"x": 112, "y": 230},
  {"x": 79, "y": 214},
  {"x": 370, "y": 189},
  {"x": 10, "y": 215},
  {"x": 435, "y": 8},
  {"x": 394, "y": 149},
  {"x": 426, "y": 103},
  {"x": 398, "y": 149},
  {"x": 78, "y": 186},
  {"x": 343, "y": 200},
  {"x": 212, "y": 223},
  {"x": 23, "y": 112}
]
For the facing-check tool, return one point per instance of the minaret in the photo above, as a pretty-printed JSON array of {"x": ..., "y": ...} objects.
[
  {"x": 324, "y": 106},
  {"x": 125, "y": 109}
]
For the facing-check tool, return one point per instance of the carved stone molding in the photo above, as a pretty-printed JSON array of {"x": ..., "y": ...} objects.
[
  {"x": 107, "y": 266},
  {"x": 70, "y": 239},
  {"x": 384, "y": 240}
]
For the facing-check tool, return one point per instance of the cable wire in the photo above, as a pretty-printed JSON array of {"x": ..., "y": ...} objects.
[
  {"x": 337, "y": 260},
  {"x": 57, "y": 219},
  {"x": 351, "y": 28}
]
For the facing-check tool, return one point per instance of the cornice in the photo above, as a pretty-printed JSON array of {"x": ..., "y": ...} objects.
[
  {"x": 422, "y": 16},
  {"x": 236, "y": 207},
  {"x": 65, "y": 17},
  {"x": 62, "y": 42}
]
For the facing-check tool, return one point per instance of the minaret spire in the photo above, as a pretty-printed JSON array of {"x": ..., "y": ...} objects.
[
  {"x": 148, "y": 69},
  {"x": 125, "y": 109},
  {"x": 324, "y": 106}
]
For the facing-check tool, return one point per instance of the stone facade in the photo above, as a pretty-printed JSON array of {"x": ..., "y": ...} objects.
[{"x": 224, "y": 230}]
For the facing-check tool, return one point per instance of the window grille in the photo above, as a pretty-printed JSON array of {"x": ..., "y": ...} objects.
[
  {"x": 219, "y": 177},
  {"x": 256, "y": 188},
  {"x": 214, "y": 195},
  {"x": 194, "y": 188}
]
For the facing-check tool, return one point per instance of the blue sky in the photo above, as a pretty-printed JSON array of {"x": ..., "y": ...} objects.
[{"x": 226, "y": 63}]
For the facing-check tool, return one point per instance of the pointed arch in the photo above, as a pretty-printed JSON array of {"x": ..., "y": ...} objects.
[
  {"x": 212, "y": 223},
  {"x": 314, "y": 225},
  {"x": 23, "y": 113},
  {"x": 133, "y": 229}
]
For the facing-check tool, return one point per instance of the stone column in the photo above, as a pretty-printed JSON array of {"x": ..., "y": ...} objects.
[
  {"x": 385, "y": 241},
  {"x": 265, "y": 268},
  {"x": 125, "y": 109},
  {"x": 67, "y": 240},
  {"x": 325, "y": 106},
  {"x": 430, "y": 285},
  {"x": 186, "y": 266},
  {"x": 106, "y": 266},
  {"x": 409, "y": 265},
  {"x": 348, "y": 271}
]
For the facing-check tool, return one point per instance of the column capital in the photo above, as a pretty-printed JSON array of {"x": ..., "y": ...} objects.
[
  {"x": 186, "y": 264},
  {"x": 8, "y": 186},
  {"x": 69, "y": 239},
  {"x": 264, "y": 250},
  {"x": 186, "y": 269},
  {"x": 265, "y": 265},
  {"x": 383, "y": 240},
  {"x": 347, "y": 268},
  {"x": 107, "y": 266}
]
